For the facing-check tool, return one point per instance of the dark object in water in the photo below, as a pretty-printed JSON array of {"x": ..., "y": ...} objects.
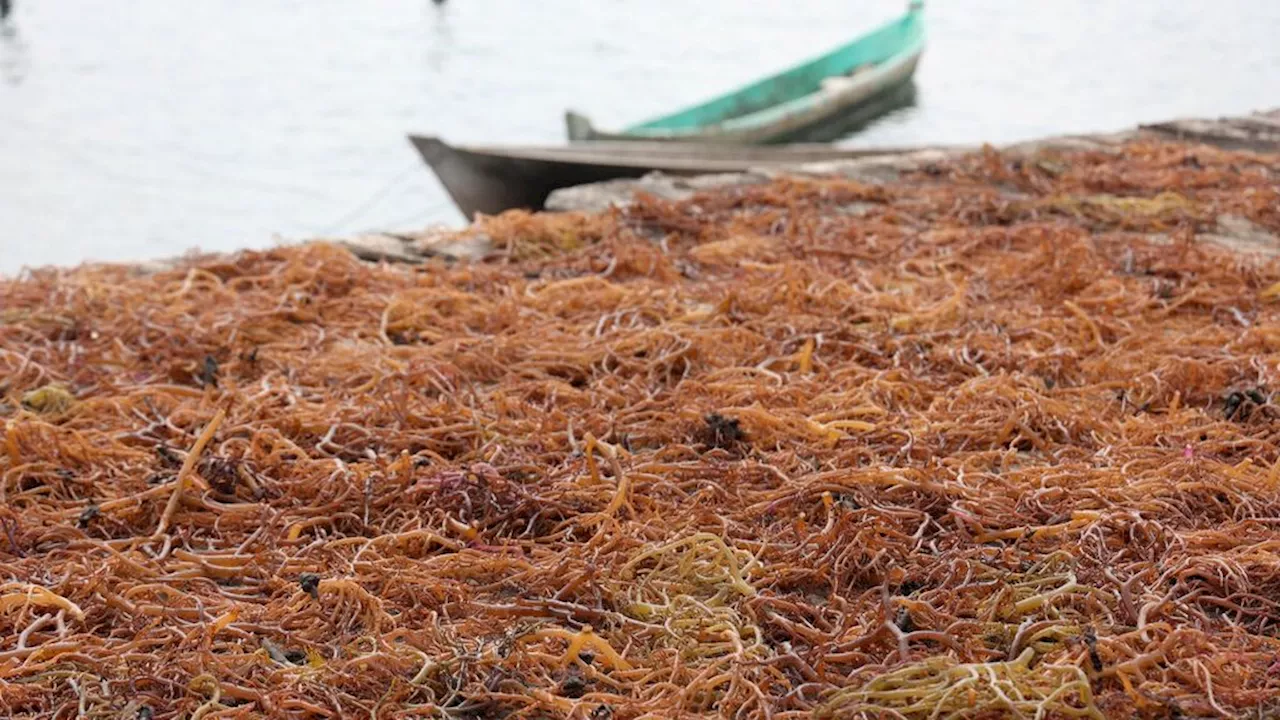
[{"x": 6, "y": 7}]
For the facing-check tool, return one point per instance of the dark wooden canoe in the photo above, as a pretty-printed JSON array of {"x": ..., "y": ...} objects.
[{"x": 491, "y": 179}]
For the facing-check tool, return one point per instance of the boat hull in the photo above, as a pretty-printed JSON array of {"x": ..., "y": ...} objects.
[
  {"x": 491, "y": 180},
  {"x": 490, "y": 184}
]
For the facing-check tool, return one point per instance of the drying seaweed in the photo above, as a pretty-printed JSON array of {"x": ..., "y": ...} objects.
[
  {"x": 998, "y": 444},
  {"x": 48, "y": 399},
  {"x": 938, "y": 687}
]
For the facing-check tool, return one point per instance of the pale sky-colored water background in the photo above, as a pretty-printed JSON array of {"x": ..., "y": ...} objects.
[{"x": 143, "y": 129}]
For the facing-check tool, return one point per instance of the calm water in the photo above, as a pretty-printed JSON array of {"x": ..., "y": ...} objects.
[{"x": 142, "y": 129}]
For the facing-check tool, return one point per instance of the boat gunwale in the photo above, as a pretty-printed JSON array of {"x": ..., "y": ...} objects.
[
  {"x": 774, "y": 115},
  {"x": 683, "y": 156}
]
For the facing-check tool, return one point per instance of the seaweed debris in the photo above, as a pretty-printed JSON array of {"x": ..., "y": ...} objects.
[
  {"x": 1011, "y": 453},
  {"x": 722, "y": 432}
]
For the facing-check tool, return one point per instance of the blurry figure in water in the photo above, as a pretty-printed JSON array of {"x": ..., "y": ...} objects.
[
  {"x": 13, "y": 52},
  {"x": 438, "y": 2}
]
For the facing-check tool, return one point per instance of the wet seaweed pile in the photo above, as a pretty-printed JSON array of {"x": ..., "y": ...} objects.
[{"x": 998, "y": 439}]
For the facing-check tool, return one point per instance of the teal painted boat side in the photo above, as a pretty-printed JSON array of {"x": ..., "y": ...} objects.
[{"x": 763, "y": 101}]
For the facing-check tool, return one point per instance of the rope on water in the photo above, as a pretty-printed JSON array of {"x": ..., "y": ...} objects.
[{"x": 371, "y": 200}]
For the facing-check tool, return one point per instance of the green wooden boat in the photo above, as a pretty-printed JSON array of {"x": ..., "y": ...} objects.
[{"x": 813, "y": 101}]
